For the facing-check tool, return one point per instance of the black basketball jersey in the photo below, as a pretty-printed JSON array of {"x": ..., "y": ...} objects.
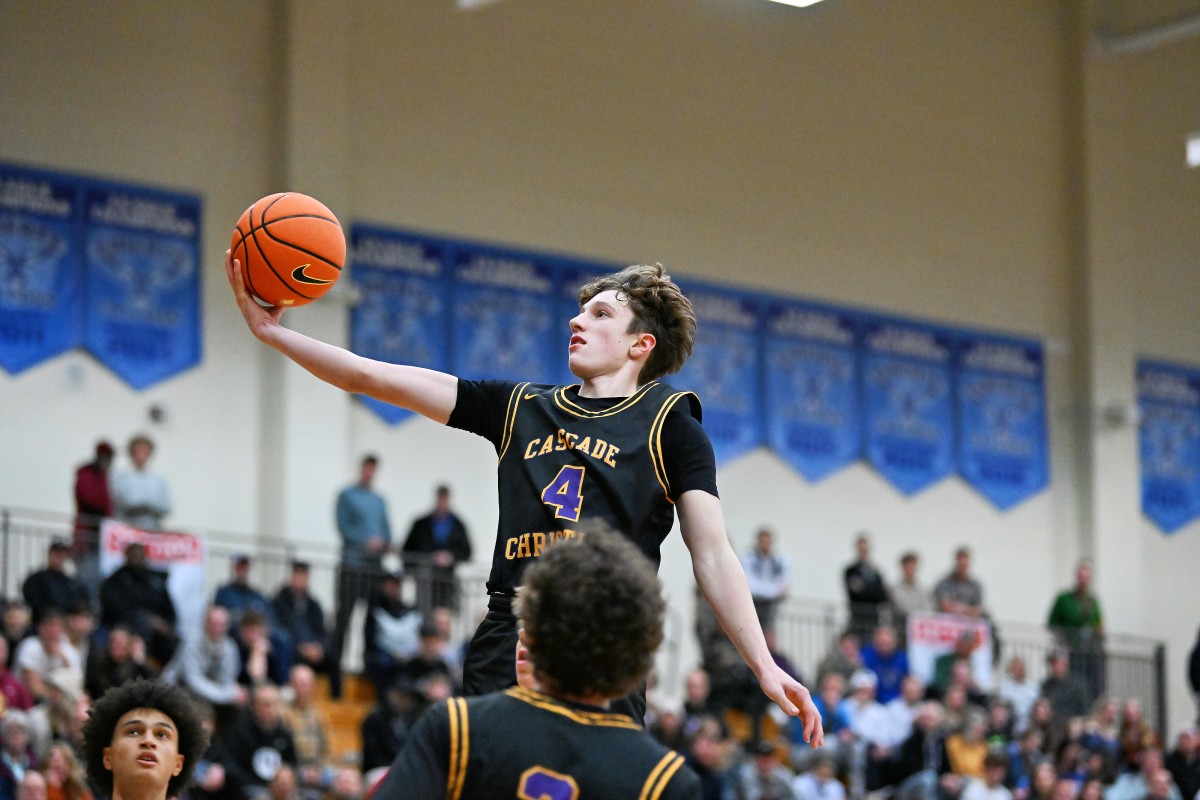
[
  {"x": 561, "y": 464},
  {"x": 521, "y": 743}
]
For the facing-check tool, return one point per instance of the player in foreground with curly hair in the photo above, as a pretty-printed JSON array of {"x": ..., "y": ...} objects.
[
  {"x": 141, "y": 741},
  {"x": 591, "y": 611}
]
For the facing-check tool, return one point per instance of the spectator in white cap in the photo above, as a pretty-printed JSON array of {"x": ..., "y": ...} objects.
[
  {"x": 869, "y": 723},
  {"x": 140, "y": 497},
  {"x": 862, "y": 693}
]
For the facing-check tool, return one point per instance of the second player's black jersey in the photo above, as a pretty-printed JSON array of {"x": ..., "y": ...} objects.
[
  {"x": 521, "y": 743},
  {"x": 563, "y": 461}
]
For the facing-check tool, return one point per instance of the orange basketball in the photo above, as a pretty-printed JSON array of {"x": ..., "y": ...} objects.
[{"x": 291, "y": 248}]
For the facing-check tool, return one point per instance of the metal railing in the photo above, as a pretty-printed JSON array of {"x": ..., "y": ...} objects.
[
  {"x": 1130, "y": 667},
  {"x": 25, "y": 535}
]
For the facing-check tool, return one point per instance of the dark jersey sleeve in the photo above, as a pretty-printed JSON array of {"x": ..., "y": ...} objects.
[
  {"x": 688, "y": 454},
  {"x": 480, "y": 408},
  {"x": 684, "y": 785},
  {"x": 420, "y": 770}
]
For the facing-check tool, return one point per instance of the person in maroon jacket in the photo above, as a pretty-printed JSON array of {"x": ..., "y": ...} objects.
[
  {"x": 13, "y": 692},
  {"x": 93, "y": 502}
]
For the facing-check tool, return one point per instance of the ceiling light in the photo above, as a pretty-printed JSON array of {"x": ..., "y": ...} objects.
[{"x": 797, "y": 3}]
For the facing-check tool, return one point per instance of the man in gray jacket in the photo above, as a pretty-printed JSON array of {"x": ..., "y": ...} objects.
[{"x": 208, "y": 665}]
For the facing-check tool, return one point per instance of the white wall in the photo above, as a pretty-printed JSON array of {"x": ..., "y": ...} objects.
[
  {"x": 174, "y": 95},
  {"x": 970, "y": 163},
  {"x": 1144, "y": 284}
]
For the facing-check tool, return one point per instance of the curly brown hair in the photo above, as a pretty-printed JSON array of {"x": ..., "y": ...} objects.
[
  {"x": 592, "y": 609},
  {"x": 171, "y": 700},
  {"x": 659, "y": 308}
]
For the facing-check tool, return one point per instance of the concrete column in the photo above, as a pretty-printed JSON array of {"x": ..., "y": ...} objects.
[
  {"x": 1110, "y": 296},
  {"x": 306, "y": 422}
]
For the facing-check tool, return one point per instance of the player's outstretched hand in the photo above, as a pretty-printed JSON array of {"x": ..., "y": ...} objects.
[
  {"x": 795, "y": 700},
  {"x": 258, "y": 317}
]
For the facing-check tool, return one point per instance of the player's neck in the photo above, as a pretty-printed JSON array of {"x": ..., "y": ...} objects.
[
  {"x": 598, "y": 700},
  {"x": 618, "y": 384},
  {"x": 138, "y": 793}
]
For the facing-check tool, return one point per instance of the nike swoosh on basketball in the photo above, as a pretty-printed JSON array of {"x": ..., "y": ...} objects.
[{"x": 299, "y": 274}]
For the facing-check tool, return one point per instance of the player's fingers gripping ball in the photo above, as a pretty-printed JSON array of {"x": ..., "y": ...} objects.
[{"x": 291, "y": 248}]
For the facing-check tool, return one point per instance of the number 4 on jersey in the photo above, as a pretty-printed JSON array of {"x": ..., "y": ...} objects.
[{"x": 565, "y": 493}]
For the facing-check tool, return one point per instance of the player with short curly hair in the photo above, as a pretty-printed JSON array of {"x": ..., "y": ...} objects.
[
  {"x": 609, "y": 584},
  {"x": 592, "y": 615},
  {"x": 139, "y": 738}
]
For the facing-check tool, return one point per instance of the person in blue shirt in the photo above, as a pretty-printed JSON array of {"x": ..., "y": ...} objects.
[
  {"x": 887, "y": 661},
  {"x": 241, "y": 599},
  {"x": 839, "y": 739},
  {"x": 238, "y": 595},
  {"x": 362, "y": 523}
]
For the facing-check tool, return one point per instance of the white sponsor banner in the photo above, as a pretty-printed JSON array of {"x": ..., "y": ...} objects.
[
  {"x": 182, "y": 556},
  {"x": 931, "y": 635}
]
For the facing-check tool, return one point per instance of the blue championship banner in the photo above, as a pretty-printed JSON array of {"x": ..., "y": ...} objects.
[
  {"x": 505, "y": 316},
  {"x": 1169, "y": 401},
  {"x": 571, "y": 278},
  {"x": 41, "y": 268},
  {"x": 142, "y": 254},
  {"x": 724, "y": 369},
  {"x": 402, "y": 315},
  {"x": 909, "y": 406},
  {"x": 1002, "y": 417},
  {"x": 823, "y": 386},
  {"x": 813, "y": 415}
]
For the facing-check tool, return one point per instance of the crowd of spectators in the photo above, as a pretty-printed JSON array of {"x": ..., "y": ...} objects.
[
  {"x": 252, "y": 666},
  {"x": 948, "y": 733},
  {"x": 253, "y": 662}
]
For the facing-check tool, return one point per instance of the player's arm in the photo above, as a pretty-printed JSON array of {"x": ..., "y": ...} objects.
[
  {"x": 425, "y": 391},
  {"x": 721, "y": 578}
]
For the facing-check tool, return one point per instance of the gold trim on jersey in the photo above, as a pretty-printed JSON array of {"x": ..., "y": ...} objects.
[
  {"x": 548, "y": 703},
  {"x": 566, "y": 404},
  {"x": 510, "y": 417},
  {"x": 655, "y": 441},
  {"x": 661, "y": 775},
  {"x": 460, "y": 747}
]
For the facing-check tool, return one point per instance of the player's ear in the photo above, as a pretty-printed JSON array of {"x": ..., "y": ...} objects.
[
  {"x": 642, "y": 345},
  {"x": 106, "y": 758},
  {"x": 179, "y": 759}
]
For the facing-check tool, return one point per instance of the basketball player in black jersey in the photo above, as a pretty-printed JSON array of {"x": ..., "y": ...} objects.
[
  {"x": 619, "y": 446},
  {"x": 591, "y": 612}
]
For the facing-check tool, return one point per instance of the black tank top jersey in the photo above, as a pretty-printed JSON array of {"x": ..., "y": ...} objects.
[
  {"x": 564, "y": 460},
  {"x": 521, "y": 743}
]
